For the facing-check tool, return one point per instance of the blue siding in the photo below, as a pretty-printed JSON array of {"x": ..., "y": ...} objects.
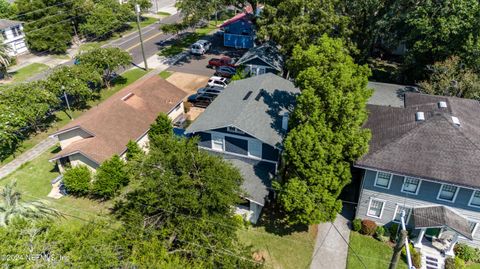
[
  {"x": 224, "y": 130},
  {"x": 235, "y": 145},
  {"x": 205, "y": 140},
  {"x": 239, "y": 27},
  {"x": 269, "y": 153},
  {"x": 238, "y": 41},
  {"x": 428, "y": 191}
]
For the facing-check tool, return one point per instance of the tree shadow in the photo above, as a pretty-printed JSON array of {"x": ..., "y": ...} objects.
[{"x": 273, "y": 220}]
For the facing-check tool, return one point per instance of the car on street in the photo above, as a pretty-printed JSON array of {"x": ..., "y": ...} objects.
[
  {"x": 225, "y": 71},
  {"x": 210, "y": 90},
  {"x": 201, "y": 100},
  {"x": 224, "y": 61},
  {"x": 200, "y": 47},
  {"x": 218, "y": 81}
]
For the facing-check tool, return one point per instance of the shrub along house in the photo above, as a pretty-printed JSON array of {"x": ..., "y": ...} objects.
[
  {"x": 262, "y": 59},
  {"x": 246, "y": 125},
  {"x": 424, "y": 158},
  {"x": 105, "y": 130}
]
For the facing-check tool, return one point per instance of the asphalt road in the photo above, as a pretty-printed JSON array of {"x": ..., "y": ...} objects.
[{"x": 152, "y": 39}]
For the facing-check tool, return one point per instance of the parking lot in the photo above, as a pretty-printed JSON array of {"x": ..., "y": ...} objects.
[{"x": 197, "y": 65}]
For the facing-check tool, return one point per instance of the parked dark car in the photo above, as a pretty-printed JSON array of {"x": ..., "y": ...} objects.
[
  {"x": 225, "y": 71},
  {"x": 201, "y": 100},
  {"x": 224, "y": 61},
  {"x": 211, "y": 90}
]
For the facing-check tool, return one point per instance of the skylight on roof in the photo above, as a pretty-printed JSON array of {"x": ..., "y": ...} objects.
[
  {"x": 442, "y": 104},
  {"x": 419, "y": 116},
  {"x": 456, "y": 121},
  {"x": 126, "y": 97}
]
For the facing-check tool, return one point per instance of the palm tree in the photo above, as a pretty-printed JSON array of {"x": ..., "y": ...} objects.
[
  {"x": 11, "y": 207},
  {"x": 4, "y": 57}
]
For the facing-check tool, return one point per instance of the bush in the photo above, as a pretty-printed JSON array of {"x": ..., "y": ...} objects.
[
  {"x": 368, "y": 227},
  {"x": 109, "y": 178},
  {"x": 393, "y": 231},
  {"x": 416, "y": 256},
  {"x": 357, "y": 225},
  {"x": 77, "y": 180},
  {"x": 379, "y": 232},
  {"x": 466, "y": 252},
  {"x": 454, "y": 263}
]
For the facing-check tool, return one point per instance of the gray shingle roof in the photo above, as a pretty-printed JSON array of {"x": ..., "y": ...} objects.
[
  {"x": 434, "y": 149},
  {"x": 441, "y": 216},
  {"x": 385, "y": 94},
  {"x": 267, "y": 52},
  {"x": 257, "y": 177},
  {"x": 4, "y": 24},
  {"x": 260, "y": 115}
]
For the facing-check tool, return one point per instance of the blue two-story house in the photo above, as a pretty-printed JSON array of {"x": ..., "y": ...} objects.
[
  {"x": 239, "y": 32},
  {"x": 424, "y": 159},
  {"x": 246, "y": 125}
]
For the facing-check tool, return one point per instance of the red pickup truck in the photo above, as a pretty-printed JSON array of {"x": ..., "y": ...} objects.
[{"x": 218, "y": 62}]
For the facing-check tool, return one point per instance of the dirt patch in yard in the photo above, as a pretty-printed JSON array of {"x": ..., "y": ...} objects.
[{"x": 188, "y": 82}]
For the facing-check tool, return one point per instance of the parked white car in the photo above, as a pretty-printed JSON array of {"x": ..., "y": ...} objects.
[
  {"x": 218, "y": 81},
  {"x": 200, "y": 47}
]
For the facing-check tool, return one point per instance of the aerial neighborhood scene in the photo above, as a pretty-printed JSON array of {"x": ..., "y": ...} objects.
[{"x": 277, "y": 134}]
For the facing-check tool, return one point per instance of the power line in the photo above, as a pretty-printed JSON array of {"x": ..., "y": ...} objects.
[{"x": 37, "y": 10}]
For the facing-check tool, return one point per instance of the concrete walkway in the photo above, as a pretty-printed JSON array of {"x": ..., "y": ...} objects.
[
  {"x": 331, "y": 250},
  {"x": 27, "y": 156}
]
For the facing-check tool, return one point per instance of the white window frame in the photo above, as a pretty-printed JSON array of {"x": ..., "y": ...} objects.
[
  {"x": 471, "y": 199},
  {"x": 475, "y": 228},
  {"x": 381, "y": 211},
  {"x": 418, "y": 186},
  {"x": 389, "y": 181},
  {"x": 454, "y": 195},
  {"x": 407, "y": 216},
  {"x": 256, "y": 143},
  {"x": 213, "y": 143}
]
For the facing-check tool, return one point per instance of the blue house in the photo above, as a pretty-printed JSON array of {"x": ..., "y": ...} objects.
[
  {"x": 246, "y": 125},
  {"x": 239, "y": 31},
  {"x": 424, "y": 159}
]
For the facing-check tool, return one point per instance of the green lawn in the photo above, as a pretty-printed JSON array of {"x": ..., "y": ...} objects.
[
  {"x": 163, "y": 14},
  {"x": 188, "y": 39},
  {"x": 287, "y": 251},
  {"x": 28, "y": 71},
  {"x": 373, "y": 253},
  {"x": 473, "y": 266},
  {"x": 146, "y": 21},
  {"x": 92, "y": 45},
  {"x": 165, "y": 74},
  {"x": 62, "y": 118}
]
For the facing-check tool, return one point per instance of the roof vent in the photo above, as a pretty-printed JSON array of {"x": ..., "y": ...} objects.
[
  {"x": 442, "y": 104},
  {"x": 247, "y": 95},
  {"x": 259, "y": 95},
  {"x": 419, "y": 116},
  {"x": 456, "y": 121},
  {"x": 126, "y": 97},
  {"x": 285, "y": 121}
]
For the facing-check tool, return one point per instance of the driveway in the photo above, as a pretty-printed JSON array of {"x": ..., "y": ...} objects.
[{"x": 331, "y": 246}]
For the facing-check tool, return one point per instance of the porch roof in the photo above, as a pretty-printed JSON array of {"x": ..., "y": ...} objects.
[{"x": 441, "y": 216}]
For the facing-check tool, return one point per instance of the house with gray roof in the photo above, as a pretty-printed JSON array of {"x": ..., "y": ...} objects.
[
  {"x": 424, "y": 159},
  {"x": 246, "y": 125},
  {"x": 13, "y": 36},
  {"x": 262, "y": 59}
]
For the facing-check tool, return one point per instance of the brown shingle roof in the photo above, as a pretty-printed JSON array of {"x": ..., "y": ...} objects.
[
  {"x": 125, "y": 116},
  {"x": 441, "y": 216},
  {"x": 433, "y": 149}
]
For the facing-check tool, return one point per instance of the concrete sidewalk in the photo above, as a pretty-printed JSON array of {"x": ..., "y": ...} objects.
[{"x": 331, "y": 250}]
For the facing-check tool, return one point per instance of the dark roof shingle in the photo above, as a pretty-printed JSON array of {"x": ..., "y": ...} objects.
[{"x": 441, "y": 216}]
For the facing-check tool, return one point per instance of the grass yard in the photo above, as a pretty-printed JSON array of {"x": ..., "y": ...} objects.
[
  {"x": 473, "y": 266},
  {"x": 28, "y": 71},
  {"x": 62, "y": 118},
  {"x": 283, "y": 252},
  {"x": 92, "y": 45},
  {"x": 165, "y": 74},
  {"x": 33, "y": 182},
  {"x": 146, "y": 21},
  {"x": 163, "y": 14},
  {"x": 373, "y": 253},
  {"x": 180, "y": 44}
]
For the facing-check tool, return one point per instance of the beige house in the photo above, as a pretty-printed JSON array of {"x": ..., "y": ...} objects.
[{"x": 106, "y": 129}]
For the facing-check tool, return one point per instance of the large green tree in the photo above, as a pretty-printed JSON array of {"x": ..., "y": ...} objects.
[
  {"x": 292, "y": 22},
  {"x": 326, "y": 132},
  {"x": 105, "y": 61},
  {"x": 109, "y": 178},
  {"x": 188, "y": 195}
]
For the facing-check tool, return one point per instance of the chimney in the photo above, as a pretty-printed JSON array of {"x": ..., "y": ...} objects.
[{"x": 285, "y": 121}]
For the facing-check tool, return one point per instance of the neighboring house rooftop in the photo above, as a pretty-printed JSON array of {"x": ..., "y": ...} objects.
[
  {"x": 127, "y": 115},
  {"x": 440, "y": 144},
  {"x": 246, "y": 14},
  {"x": 268, "y": 53},
  {"x": 4, "y": 24},
  {"x": 385, "y": 94},
  {"x": 254, "y": 105},
  {"x": 441, "y": 216}
]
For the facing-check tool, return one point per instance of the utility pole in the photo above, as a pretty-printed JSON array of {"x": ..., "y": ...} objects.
[
  {"x": 68, "y": 104},
  {"x": 137, "y": 10},
  {"x": 402, "y": 241},
  {"x": 75, "y": 31}
]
